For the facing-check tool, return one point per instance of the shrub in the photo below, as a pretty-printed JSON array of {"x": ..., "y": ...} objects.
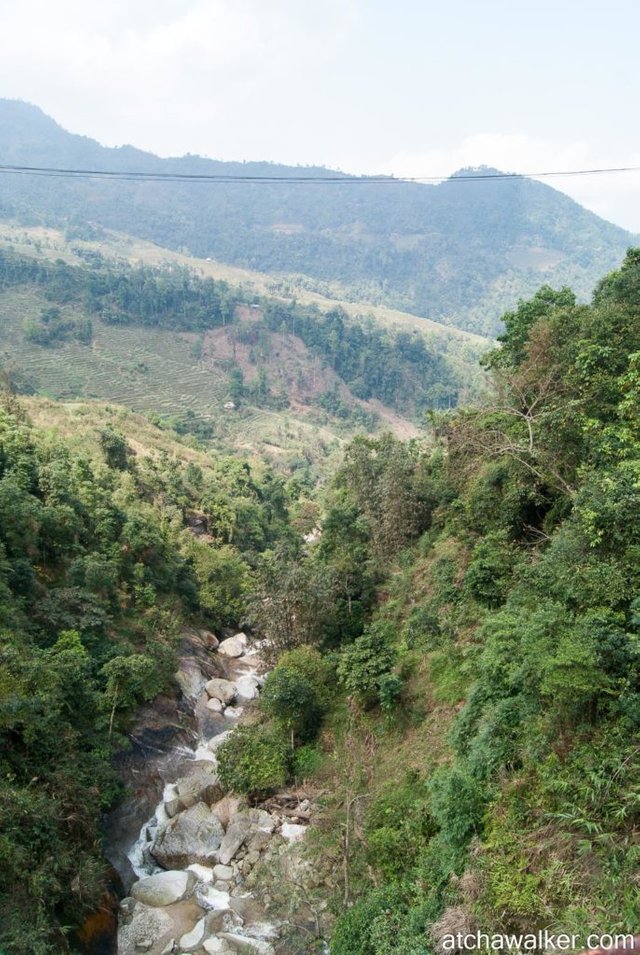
[
  {"x": 254, "y": 760},
  {"x": 370, "y": 658},
  {"x": 291, "y": 700}
]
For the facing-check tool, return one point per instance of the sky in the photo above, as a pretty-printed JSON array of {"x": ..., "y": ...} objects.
[{"x": 403, "y": 87}]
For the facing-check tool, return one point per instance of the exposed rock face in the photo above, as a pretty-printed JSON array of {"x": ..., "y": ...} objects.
[
  {"x": 194, "y": 835},
  {"x": 164, "y": 888}
]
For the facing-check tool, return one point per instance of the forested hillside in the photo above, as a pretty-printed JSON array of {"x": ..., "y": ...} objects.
[
  {"x": 459, "y": 252},
  {"x": 222, "y": 329},
  {"x": 99, "y": 575},
  {"x": 479, "y": 602}
]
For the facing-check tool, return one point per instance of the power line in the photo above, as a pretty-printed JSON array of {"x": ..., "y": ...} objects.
[{"x": 133, "y": 176}]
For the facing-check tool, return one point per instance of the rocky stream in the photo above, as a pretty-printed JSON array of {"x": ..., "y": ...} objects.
[{"x": 203, "y": 871}]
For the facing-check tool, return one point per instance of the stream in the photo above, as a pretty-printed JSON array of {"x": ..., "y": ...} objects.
[{"x": 184, "y": 850}]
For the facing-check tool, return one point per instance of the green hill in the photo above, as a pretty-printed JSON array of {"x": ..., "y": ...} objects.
[
  {"x": 234, "y": 370},
  {"x": 460, "y": 253}
]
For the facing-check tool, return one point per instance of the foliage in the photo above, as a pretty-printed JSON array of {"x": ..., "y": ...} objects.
[
  {"x": 254, "y": 760},
  {"x": 462, "y": 252},
  {"x": 98, "y": 574}
]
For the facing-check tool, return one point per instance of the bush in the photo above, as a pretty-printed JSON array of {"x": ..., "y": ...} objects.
[
  {"x": 291, "y": 700},
  {"x": 365, "y": 664},
  {"x": 254, "y": 760}
]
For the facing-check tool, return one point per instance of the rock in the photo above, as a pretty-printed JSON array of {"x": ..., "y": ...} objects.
[
  {"x": 226, "y": 808},
  {"x": 216, "y": 741},
  {"x": 250, "y": 946},
  {"x": 233, "y": 712},
  {"x": 224, "y": 872},
  {"x": 127, "y": 906},
  {"x": 237, "y": 832},
  {"x": 247, "y": 687},
  {"x": 191, "y": 941},
  {"x": 242, "y": 825},
  {"x": 170, "y": 948},
  {"x": 223, "y": 690},
  {"x": 258, "y": 841},
  {"x": 233, "y": 646},
  {"x": 144, "y": 944},
  {"x": 209, "y": 639},
  {"x": 212, "y": 899},
  {"x": 203, "y": 873},
  {"x": 201, "y": 785},
  {"x": 195, "y": 835},
  {"x": 292, "y": 833},
  {"x": 215, "y": 705},
  {"x": 217, "y": 946},
  {"x": 147, "y": 924},
  {"x": 164, "y": 888}
]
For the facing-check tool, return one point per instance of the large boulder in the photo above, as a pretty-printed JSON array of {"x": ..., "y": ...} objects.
[
  {"x": 164, "y": 888},
  {"x": 192, "y": 836},
  {"x": 223, "y": 690},
  {"x": 201, "y": 785},
  {"x": 233, "y": 646}
]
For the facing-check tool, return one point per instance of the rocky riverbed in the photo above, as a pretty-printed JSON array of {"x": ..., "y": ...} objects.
[{"x": 205, "y": 867}]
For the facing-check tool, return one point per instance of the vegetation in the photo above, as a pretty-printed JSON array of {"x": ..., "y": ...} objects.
[
  {"x": 486, "y": 640},
  {"x": 98, "y": 573},
  {"x": 462, "y": 254}
]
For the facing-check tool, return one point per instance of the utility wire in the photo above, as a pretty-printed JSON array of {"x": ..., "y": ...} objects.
[{"x": 133, "y": 176}]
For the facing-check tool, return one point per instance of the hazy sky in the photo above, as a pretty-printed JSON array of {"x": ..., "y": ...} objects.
[{"x": 410, "y": 87}]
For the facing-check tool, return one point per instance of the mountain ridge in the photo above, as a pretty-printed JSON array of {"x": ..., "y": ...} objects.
[{"x": 460, "y": 254}]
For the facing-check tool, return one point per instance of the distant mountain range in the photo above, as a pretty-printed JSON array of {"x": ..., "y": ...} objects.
[{"x": 459, "y": 252}]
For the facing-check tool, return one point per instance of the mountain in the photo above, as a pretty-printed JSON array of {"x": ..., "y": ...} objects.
[{"x": 459, "y": 252}]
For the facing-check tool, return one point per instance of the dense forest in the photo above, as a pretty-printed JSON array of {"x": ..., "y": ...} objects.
[
  {"x": 479, "y": 603},
  {"x": 398, "y": 368},
  {"x": 98, "y": 575},
  {"x": 457, "y": 252}
]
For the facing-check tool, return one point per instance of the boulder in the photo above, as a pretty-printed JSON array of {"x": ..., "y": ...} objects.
[
  {"x": 224, "y": 872},
  {"x": 147, "y": 923},
  {"x": 212, "y": 899},
  {"x": 203, "y": 873},
  {"x": 233, "y": 646},
  {"x": 226, "y": 808},
  {"x": 247, "y": 687},
  {"x": 209, "y": 639},
  {"x": 164, "y": 888},
  {"x": 223, "y": 690},
  {"x": 191, "y": 941},
  {"x": 194, "y": 835},
  {"x": 215, "y": 705},
  {"x": 201, "y": 785}
]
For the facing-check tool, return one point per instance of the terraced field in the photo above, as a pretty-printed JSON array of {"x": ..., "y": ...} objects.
[{"x": 149, "y": 370}]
